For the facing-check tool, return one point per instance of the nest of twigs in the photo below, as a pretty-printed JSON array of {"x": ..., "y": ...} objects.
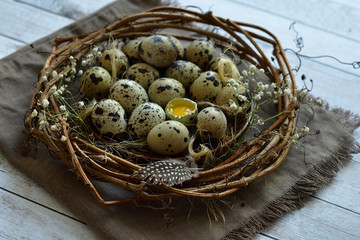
[{"x": 238, "y": 162}]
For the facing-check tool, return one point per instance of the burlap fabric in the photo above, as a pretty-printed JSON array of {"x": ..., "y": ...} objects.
[{"x": 308, "y": 167}]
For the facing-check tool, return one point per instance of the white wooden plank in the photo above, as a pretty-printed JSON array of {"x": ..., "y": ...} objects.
[
  {"x": 73, "y": 9},
  {"x": 8, "y": 46},
  {"x": 16, "y": 182},
  {"x": 314, "y": 14},
  {"x": 316, "y": 42},
  {"x": 21, "y": 219},
  {"x": 26, "y": 23},
  {"x": 318, "y": 220},
  {"x": 350, "y": 3}
]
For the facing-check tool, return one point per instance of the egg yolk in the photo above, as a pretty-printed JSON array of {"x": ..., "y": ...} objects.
[{"x": 181, "y": 110}]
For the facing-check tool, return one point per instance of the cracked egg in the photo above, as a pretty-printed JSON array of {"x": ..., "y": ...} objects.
[{"x": 182, "y": 110}]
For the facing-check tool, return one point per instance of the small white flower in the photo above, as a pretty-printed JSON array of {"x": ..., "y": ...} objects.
[
  {"x": 95, "y": 49},
  {"x": 296, "y": 136},
  {"x": 54, "y": 73},
  {"x": 99, "y": 54},
  {"x": 90, "y": 57},
  {"x": 318, "y": 101},
  {"x": 303, "y": 93},
  {"x": 63, "y": 138},
  {"x": 266, "y": 86},
  {"x": 261, "y": 71},
  {"x": 44, "y": 78},
  {"x": 275, "y": 101},
  {"x": 45, "y": 103},
  {"x": 233, "y": 106},
  {"x": 71, "y": 58},
  {"x": 80, "y": 72},
  {"x": 244, "y": 73},
  {"x": 73, "y": 64},
  {"x": 309, "y": 99},
  {"x": 294, "y": 99},
  {"x": 257, "y": 97},
  {"x": 62, "y": 108},
  {"x": 68, "y": 79},
  {"x": 242, "y": 98},
  {"x": 261, "y": 122},
  {"x": 81, "y": 104},
  {"x": 252, "y": 68},
  {"x": 83, "y": 62},
  {"x": 287, "y": 79},
  {"x": 53, "y": 128},
  {"x": 61, "y": 76},
  {"x": 42, "y": 123},
  {"x": 53, "y": 88},
  {"x": 73, "y": 70},
  {"x": 34, "y": 113},
  {"x": 306, "y": 129},
  {"x": 287, "y": 91},
  {"x": 293, "y": 142},
  {"x": 269, "y": 94},
  {"x": 273, "y": 85}
]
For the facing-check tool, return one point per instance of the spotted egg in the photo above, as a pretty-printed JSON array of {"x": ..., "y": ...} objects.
[
  {"x": 162, "y": 90},
  {"x": 113, "y": 60},
  {"x": 108, "y": 116},
  {"x": 200, "y": 51},
  {"x": 131, "y": 49},
  {"x": 230, "y": 94},
  {"x": 144, "y": 118},
  {"x": 206, "y": 87},
  {"x": 128, "y": 93},
  {"x": 183, "y": 71},
  {"x": 211, "y": 123},
  {"x": 169, "y": 138},
  {"x": 158, "y": 51},
  {"x": 96, "y": 82},
  {"x": 142, "y": 73}
]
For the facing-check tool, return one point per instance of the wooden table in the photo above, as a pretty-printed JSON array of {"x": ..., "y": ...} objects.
[{"x": 327, "y": 28}]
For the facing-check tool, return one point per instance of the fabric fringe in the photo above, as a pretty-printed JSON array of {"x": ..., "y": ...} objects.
[{"x": 317, "y": 178}]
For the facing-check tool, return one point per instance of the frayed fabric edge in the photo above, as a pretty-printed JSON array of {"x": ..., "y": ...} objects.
[{"x": 318, "y": 177}]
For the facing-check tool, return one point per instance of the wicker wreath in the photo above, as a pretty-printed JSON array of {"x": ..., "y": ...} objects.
[{"x": 248, "y": 160}]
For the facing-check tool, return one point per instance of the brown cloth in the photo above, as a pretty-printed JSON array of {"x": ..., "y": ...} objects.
[{"x": 308, "y": 167}]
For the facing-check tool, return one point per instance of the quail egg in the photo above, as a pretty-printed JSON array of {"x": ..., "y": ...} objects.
[
  {"x": 229, "y": 92},
  {"x": 211, "y": 123},
  {"x": 162, "y": 90},
  {"x": 181, "y": 50},
  {"x": 142, "y": 73},
  {"x": 144, "y": 118},
  {"x": 183, "y": 71},
  {"x": 168, "y": 138},
  {"x": 158, "y": 51},
  {"x": 200, "y": 51},
  {"x": 130, "y": 48},
  {"x": 206, "y": 87},
  {"x": 114, "y": 61},
  {"x": 183, "y": 110},
  {"x": 108, "y": 116},
  {"x": 128, "y": 93},
  {"x": 96, "y": 82}
]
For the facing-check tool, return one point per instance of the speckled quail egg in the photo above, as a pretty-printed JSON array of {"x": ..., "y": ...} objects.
[
  {"x": 113, "y": 58},
  {"x": 128, "y": 93},
  {"x": 158, "y": 51},
  {"x": 162, "y": 90},
  {"x": 168, "y": 138},
  {"x": 183, "y": 71},
  {"x": 131, "y": 49},
  {"x": 232, "y": 93},
  {"x": 142, "y": 73},
  {"x": 144, "y": 118},
  {"x": 200, "y": 51},
  {"x": 211, "y": 123},
  {"x": 206, "y": 87},
  {"x": 181, "y": 50},
  {"x": 96, "y": 82},
  {"x": 108, "y": 116}
]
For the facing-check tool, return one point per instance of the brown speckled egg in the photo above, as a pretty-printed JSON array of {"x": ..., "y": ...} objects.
[
  {"x": 142, "y": 73},
  {"x": 108, "y": 116},
  {"x": 158, "y": 51},
  {"x": 211, "y": 123},
  {"x": 131, "y": 49},
  {"x": 164, "y": 89},
  {"x": 200, "y": 51},
  {"x": 206, "y": 87},
  {"x": 169, "y": 138},
  {"x": 119, "y": 59},
  {"x": 230, "y": 93},
  {"x": 183, "y": 71},
  {"x": 128, "y": 93},
  {"x": 144, "y": 118},
  {"x": 96, "y": 82}
]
